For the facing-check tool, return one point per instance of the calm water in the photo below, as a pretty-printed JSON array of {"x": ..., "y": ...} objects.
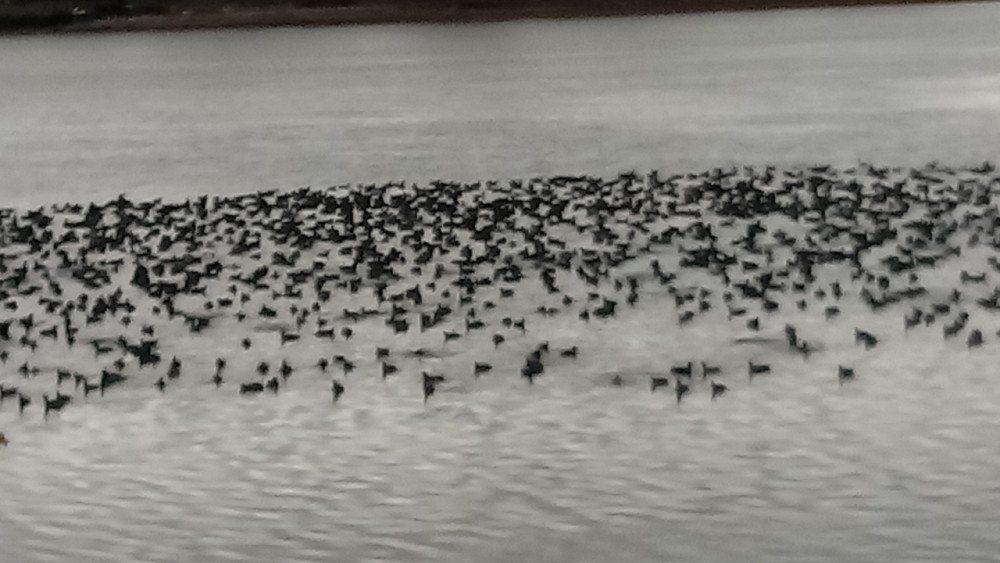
[
  {"x": 900, "y": 466},
  {"x": 165, "y": 114}
]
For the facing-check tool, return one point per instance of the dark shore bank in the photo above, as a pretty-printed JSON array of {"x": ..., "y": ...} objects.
[{"x": 48, "y": 16}]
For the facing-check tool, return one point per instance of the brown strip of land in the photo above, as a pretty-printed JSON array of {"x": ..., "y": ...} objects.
[{"x": 210, "y": 15}]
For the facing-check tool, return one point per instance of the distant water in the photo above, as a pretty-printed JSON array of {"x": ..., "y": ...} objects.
[
  {"x": 899, "y": 466},
  {"x": 176, "y": 114}
]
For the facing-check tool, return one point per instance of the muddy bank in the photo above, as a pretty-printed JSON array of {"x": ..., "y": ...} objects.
[{"x": 144, "y": 16}]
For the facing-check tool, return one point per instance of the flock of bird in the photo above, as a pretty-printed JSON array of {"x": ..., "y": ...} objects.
[{"x": 456, "y": 260}]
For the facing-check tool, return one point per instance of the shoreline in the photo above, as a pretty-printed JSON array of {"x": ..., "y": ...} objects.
[{"x": 381, "y": 15}]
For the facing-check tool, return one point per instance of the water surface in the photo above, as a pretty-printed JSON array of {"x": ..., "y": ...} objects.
[
  {"x": 232, "y": 111},
  {"x": 900, "y": 466}
]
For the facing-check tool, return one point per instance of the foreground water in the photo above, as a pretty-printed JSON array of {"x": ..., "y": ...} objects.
[{"x": 898, "y": 466}]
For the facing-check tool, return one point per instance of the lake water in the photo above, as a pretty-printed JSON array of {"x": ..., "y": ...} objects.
[
  {"x": 899, "y": 466},
  {"x": 86, "y": 117}
]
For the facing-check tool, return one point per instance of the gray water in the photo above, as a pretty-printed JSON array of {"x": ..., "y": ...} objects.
[
  {"x": 900, "y": 466},
  {"x": 85, "y": 117}
]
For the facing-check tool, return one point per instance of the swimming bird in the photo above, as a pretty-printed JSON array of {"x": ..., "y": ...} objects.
[
  {"x": 684, "y": 370},
  {"x": 718, "y": 389},
  {"x": 388, "y": 369},
  {"x": 62, "y": 375},
  {"x": 175, "y": 368},
  {"x": 430, "y": 384},
  {"x": 110, "y": 379},
  {"x": 844, "y": 374},
  {"x": 55, "y": 404},
  {"x": 251, "y": 388},
  {"x": 286, "y": 370},
  {"x": 757, "y": 369},
  {"x": 607, "y": 309},
  {"x": 708, "y": 369},
  {"x": 365, "y": 237},
  {"x": 272, "y": 384},
  {"x": 680, "y": 390},
  {"x": 791, "y": 335},
  {"x": 287, "y": 337},
  {"x": 868, "y": 339},
  {"x": 7, "y": 392},
  {"x": 657, "y": 382},
  {"x": 532, "y": 368},
  {"x": 975, "y": 339}
]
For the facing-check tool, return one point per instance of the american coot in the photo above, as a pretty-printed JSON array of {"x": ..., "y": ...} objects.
[
  {"x": 276, "y": 261},
  {"x": 757, "y": 369},
  {"x": 657, "y": 382},
  {"x": 430, "y": 384},
  {"x": 844, "y": 374}
]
